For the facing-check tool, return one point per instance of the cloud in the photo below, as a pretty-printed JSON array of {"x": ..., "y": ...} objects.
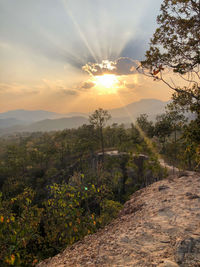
[
  {"x": 17, "y": 89},
  {"x": 68, "y": 92},
  {"x": 4, "y": 87},
  {"x": 87, "y": 85},
  {"x": 126, "y": 66},
  {"x": 121, "y": 66},
  {"x": 130, "y": 85}
]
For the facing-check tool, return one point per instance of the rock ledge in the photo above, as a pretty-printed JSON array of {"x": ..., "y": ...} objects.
[{"x": 159, "y": 226}]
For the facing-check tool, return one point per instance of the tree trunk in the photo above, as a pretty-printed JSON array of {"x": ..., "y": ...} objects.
[{"x": 102, "y": 141}]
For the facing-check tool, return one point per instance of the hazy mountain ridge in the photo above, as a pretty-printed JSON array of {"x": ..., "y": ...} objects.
[
  {"x": 29, "y": 115},
  {"x": 41, "y": 120},
  {"x": 47, "y": 125},
  {"x": 9, "y": 122},
  {"x": 152, "y": 107},
  {"x": 37, "y": 115},
  {"x": 57, "y": 124}
]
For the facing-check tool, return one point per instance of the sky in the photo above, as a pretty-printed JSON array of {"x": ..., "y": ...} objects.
[{"x": 75, "y": 55}]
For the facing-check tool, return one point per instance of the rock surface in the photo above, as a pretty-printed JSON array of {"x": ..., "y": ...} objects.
[{"x": 159, "y": 226}]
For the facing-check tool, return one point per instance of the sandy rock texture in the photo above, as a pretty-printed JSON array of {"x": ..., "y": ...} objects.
[{"x": 159, "y": 226}]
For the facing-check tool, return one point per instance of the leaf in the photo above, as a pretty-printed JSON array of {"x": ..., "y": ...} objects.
[
  {"x": 1, "y": 219},
  {"x": 12, "y": 218},
  {"x": 12, "y": 259},
  {"x": 156, "y": 72},
  {"x": 75, "y": 229}
]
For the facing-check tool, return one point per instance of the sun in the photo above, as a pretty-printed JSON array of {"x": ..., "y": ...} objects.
[
  {"x": 106, "y": 80},
  {"x": 106, "y": 84}
]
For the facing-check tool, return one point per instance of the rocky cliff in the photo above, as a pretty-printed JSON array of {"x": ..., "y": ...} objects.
[{"x": 159, "y": 226}]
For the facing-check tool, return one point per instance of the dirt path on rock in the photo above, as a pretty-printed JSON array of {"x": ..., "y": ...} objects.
[
  {"x": 159, "y": 226},
  {"x": 170, "y": 169}
]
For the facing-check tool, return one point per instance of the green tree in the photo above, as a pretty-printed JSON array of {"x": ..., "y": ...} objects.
[
  {"x": 163, "y": 128},
  {"x": 85, "y": 139},
  {"x": 178, "y": 121},
  {"x": 176, "y": 44},
  {"x": 145, "y": 125},
  {"x": 19, "y": 230},
  {"x": 65, "y": 219},
  {"x": 98, "y": 119}
]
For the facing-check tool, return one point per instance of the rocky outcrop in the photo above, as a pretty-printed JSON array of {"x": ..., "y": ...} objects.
[{"x": 159, "y": 226}]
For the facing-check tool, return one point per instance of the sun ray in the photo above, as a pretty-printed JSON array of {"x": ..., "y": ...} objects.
[
  {"x": 84, "y": 39},
  {"x": 101, "y": 41},
  {"x": 66, "y": 52},
  {"x": 142, "y": 133}
]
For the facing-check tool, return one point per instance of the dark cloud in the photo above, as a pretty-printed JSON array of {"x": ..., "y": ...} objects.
[
  {"x": 121, "y": 66},
  {"x": 87, "y": 85},
  {"x": 125, "y": 66},
  {"x": 77, "y": 89}
]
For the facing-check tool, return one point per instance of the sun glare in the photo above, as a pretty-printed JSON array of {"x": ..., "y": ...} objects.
[{"x": 106, "y": 84}]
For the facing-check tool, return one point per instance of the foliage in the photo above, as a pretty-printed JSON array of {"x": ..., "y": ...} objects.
[
  {"x": 98, "y": 119},
  {"x": 175, "y": 44},
  {"x": 56, "y": 189},
  {"x": 110, "y": 210},
  {"x": 188, "y": 100},
  {"x": 163, "y": 127},
  {"x": 19, "y": 222},
  {"x": 65, "y": 219},
  {"x": 145, "y": 125}
]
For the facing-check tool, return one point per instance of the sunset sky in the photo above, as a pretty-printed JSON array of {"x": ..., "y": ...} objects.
[{"x": 75, "y": 55}]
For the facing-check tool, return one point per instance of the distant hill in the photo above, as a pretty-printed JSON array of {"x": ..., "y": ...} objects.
[
  {"x": 47, "y": 125},
  {"x": 149, "y": 106},
  {"x": 76, "y": 114},
  {"x": 152, "y": 107},
  {"x": 57, "y": 124},
  {"x": 5, "y": 123},
  {"x": 37, "y": 115},
  {"x": 41, "y": 120},
  {"x": 29, "y": 115}
]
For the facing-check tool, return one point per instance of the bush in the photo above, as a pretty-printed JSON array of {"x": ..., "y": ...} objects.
[{"x": 109, "y": 210}]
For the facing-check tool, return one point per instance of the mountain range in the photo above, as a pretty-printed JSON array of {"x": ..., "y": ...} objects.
[{"x": 41, "y": 120}]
